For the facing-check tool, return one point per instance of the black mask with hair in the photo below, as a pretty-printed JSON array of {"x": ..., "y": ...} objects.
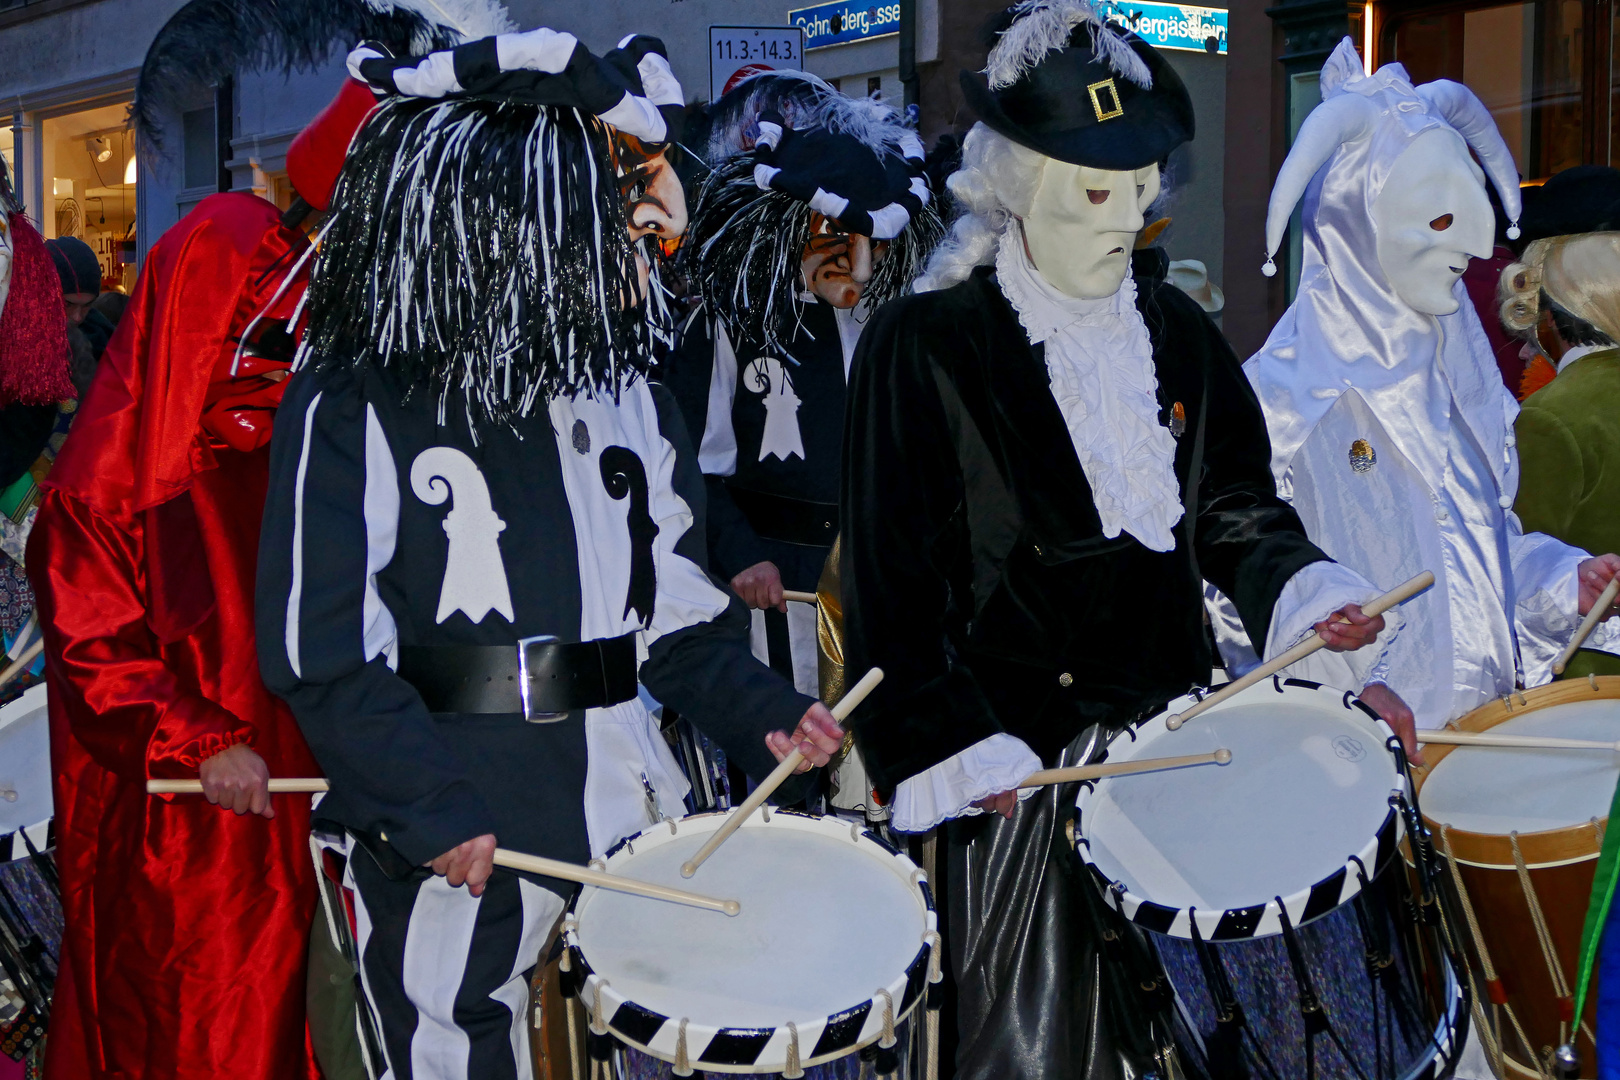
[
  {"x": 1572, "y": 329},
  {"x": 483, "y": 244}
]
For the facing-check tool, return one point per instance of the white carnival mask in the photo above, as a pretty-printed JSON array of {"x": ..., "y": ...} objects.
[
  {"x": 1430, "y": 218},
  {"x": 1082, "y": 225}
]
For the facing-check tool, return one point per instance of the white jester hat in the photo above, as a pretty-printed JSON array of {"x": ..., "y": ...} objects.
[{"x": 1393, "y": 208}]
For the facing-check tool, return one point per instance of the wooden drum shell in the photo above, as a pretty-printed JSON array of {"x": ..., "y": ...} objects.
[{"x": 1561, "y": 864}]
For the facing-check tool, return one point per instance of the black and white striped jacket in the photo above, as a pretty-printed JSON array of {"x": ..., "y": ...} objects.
[{"x": 386, "y": 528}]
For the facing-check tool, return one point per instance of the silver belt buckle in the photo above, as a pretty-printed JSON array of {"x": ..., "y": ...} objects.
[{"x": 523, "y": 647}]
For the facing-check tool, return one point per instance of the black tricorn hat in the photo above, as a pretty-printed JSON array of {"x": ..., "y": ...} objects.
[
  {"x": 1084, "y": 102},
  {"x": 1582, "y": 199}
]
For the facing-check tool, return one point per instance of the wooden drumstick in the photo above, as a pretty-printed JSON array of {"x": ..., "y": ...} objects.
[
  {"x": 1521, "y": 742},
  {"x": 511, "y": 860},
  {"x": 785, "y": 769},
  {"x": 1397, "y": 595},
  {"x": 1588, "y": 624},
  {"x": 799, "y": 597},
  {"x": 1123, "y": 768},
  {"x": 22, "y": 663}
]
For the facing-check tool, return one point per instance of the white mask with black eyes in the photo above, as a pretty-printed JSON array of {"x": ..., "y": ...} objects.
[
  {"x": 5, "y": 257},
  {"x": 1082, "y": 225},
  {"x": 1430, "y": 218}
]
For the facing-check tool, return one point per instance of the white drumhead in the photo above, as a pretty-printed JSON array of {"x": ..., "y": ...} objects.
[
  {"x": 1496, "y": 790},
  {"x": 25, "y": 762},
  {"x": 826, "y": 922},
  {"x": 1308, "y": 787}
]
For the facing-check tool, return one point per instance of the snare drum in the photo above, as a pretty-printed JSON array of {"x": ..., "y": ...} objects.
[
  {"x": 1273, "y": 892},
  {"x": 1523, "y": 828},
  {"x": 30, "y": 903},
  {"x": 746, "y": 994}
]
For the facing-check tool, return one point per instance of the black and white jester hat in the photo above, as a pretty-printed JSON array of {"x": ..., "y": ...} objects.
[
  {"x": 631, "y": 88},
  {"x": 1067, "y": 84},
  {"x": 784, "y": 147},
  {"x": 872, "y": 191}
]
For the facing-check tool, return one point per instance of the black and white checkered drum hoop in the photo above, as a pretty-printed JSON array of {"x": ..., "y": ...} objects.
[
  {"x": 1273, "y": 886},
  {"x": 748, "y": 994}
]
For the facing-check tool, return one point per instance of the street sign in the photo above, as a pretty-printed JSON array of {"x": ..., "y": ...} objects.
[
  {"x": 1171, "y": 26},
  {"x": 844, "y": 21},
  {"x": 736, "y": 52}
]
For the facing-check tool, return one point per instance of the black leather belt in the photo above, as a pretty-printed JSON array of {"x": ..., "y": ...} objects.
[
  {"x": 791, "y": 521},
  {"x": 540, "y": 677}
]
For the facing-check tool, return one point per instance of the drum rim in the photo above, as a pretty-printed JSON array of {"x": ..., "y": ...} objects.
[
  {"x": 1264, "y": 919},
  {"x": 860, "y": 1025},
  {"x": 1577, "y": 842}
]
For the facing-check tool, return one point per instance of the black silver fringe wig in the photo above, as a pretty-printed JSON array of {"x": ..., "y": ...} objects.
[
  {"x": 483, "y": 245},
  {"x": 745, "y": 246}
]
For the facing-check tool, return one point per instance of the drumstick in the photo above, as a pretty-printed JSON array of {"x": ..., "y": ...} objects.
[
  {"x": 1299, "y": 652},
  {"x": 1588, "y": 624},
  {"x": 799, "y": 597},
  {"x": 512, "y": 860},
  {"x": 845, "y": 706},
  {"x": 20, "y": 665},
  {"x": 1522, "y": 742},
  {"x": 1123, "y": 768}
]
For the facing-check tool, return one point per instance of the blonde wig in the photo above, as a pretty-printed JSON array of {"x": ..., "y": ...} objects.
[{"x": 1576, "y": 278}]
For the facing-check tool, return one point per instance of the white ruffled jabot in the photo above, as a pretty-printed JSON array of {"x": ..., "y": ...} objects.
[{"x": 1100, "y": 362}]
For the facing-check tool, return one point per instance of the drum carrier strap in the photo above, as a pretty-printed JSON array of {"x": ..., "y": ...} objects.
[{"x": 540, "y": 678}]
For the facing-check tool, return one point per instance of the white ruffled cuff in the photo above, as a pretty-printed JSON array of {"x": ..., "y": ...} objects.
[
  {"x": 999, "y": 763},
  {"x": 1314, "y": 593}
]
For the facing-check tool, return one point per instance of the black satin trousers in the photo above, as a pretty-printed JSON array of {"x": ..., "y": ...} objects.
[{"x": 1051, "y": 984}]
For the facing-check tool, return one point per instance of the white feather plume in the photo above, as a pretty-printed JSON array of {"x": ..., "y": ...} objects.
[
  {"x": 472, "y": 19},
  {"x": 1041, "y": 27}
]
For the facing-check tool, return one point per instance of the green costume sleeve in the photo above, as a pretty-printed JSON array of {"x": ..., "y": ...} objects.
[
  {"x": 1597, "y": 911},
  {"x": 1551, "y": 479}
]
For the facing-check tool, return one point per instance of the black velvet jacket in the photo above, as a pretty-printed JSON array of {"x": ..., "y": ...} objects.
[{"x": 975, "y": 570}]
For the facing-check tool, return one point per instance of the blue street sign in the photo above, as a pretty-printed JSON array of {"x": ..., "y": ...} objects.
[
  {"x": 1171, "y": 26},
  {"x": 845, "y": 20}
]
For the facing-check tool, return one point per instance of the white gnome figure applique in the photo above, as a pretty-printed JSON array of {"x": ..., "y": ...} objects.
[
  {"x": 767, "y": 376},
  {"x": 474, "y": 575}
]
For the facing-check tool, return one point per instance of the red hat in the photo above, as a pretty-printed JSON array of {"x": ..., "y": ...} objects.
[{"x": 315, "y": 157}]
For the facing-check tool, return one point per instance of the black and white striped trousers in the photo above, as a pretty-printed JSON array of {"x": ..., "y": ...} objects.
[{"x": 447, "y": 973}]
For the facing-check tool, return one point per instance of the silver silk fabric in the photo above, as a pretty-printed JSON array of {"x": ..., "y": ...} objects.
[{"x": 1429, "y": 483}]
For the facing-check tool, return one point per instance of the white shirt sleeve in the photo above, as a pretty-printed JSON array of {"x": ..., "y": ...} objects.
[
  {"x": 1546, "y": 601},
  {"x": 999, "y": 763},
  {"x": 1313, "y": 594}
]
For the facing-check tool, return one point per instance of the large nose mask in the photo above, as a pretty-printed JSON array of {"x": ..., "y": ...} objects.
[
  {"x": 1430, "y": 218},
  {"x": 1082, "y": 225}
]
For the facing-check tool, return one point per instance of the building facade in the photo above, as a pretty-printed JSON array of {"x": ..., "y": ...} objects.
[{"x": 68, "y": 69}]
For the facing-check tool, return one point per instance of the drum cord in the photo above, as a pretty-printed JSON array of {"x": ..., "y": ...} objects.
[
  {"x": 1497, "y": 993},
  {"x": 1549, "y": 951},
  {"x": 1231, "y": 1024},
  {"x": 1310, "y": 1006}
]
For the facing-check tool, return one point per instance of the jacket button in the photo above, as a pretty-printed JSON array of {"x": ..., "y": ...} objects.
[
  {"x": 1505, "y": 502},
  {"x": 1065, "y": 680}
]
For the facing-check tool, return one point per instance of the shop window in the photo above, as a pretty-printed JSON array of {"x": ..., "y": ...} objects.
[
  {"x": 201, "y": 152},
  {"x": 1530, "y": 63}
]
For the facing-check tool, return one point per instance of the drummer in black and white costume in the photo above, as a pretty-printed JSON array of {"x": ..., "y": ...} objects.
[
  {"x": 470, "y": 459},
  {"x": 816, "y": 213}
]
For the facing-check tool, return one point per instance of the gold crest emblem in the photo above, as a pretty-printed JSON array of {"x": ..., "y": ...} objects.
[
  {"x": 1362, "y": 457},
  {"x": 1105, "y": 100}
]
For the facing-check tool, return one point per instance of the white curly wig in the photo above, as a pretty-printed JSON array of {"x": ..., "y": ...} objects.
[{"x": 993, "y": 188}]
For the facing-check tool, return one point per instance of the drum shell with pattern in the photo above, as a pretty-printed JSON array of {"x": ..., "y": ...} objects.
[
  {"x": 750, "y": 994},
  {"x": 1512, "y": 786},
  {"x": 1273, "y": 892}
]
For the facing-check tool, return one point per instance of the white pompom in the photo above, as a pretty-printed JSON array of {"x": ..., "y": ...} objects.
[
  {"x": 1270, "y": 268},
  {"x": 1513, "y": 231}
]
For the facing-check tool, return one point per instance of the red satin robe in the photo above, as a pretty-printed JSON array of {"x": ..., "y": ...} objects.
[{"x": 187, "y": 925}]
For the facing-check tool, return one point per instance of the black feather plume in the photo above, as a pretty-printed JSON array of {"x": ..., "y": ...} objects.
[{"x": 209, "y": 40}]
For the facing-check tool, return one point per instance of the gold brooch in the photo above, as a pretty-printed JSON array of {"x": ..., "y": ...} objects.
[
  {"x": 1178, "y": 419},
  {"x": 1113, "y": 108},
  {"x": 1362, "y": 458}
]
